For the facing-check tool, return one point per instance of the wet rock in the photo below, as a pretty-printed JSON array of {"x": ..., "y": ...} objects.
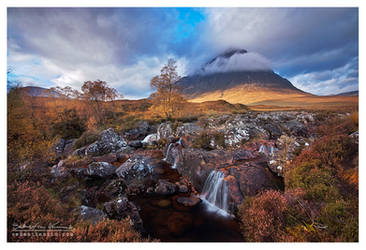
[
  {"x": 189, "y": 201},
  {"x": 244, "y": 155},
  {"x": 122, "y": 208},
  {"x": 138, "y": 173},
  {"x": 135, "y": 144},
  {"x": 91, "y": 214},
  {"x": 150, "y": 140},
  {"x": 165, "y": 131},
  {"x": 138, "y": 166},
  {"x": 182, "y": 189},
  {"x": 109, "y": 142},
  {"x": 101, "y": 170},
  {"x": 163, "y": 203},
  {"x": 165, "y": 187}
]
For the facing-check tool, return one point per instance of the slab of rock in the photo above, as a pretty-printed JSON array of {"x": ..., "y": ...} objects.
[
  {"x": 189, "y": 201},
  {"x": 165, "y": 187}
]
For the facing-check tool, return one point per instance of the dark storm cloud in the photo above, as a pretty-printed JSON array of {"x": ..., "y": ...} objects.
[{"x": 127, "y": 46}]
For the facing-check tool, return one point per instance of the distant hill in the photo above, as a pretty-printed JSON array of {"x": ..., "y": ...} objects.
[
  {"x": 350, "y": 93},
  {"x": 39, "y": 92},
  {"x": 223, "y": 78}
]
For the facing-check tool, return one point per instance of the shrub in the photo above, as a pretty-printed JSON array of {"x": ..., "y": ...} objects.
[
  {"x": 262, "y": 217},
  {"x": 31, "y": 204},
  {"x": 219, "y": 139},
  {"x": 69, "y": 125},
  {"x": 202, "y": 141},
  {"x": 354, "y": 118},
  {"x": 86, "y": 138},
  {"x": 106, "y": 231},
  {"x": 317, "y": 182},
  {"x": 339, "y": 218}
]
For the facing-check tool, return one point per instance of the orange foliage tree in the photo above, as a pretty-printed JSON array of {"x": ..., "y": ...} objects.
[{"x": 167, "y": 99}]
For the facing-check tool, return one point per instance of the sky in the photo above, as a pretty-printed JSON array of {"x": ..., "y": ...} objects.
[{"x": 315, "y": 48}]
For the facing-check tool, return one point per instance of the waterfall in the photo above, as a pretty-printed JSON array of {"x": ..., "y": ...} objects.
[
  {"x": 168, "y": 151},
  {"x": 215, "y": 192},
  {"x": 262, "y": 149}
]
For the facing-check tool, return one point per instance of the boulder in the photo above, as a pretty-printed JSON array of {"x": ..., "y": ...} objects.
[
  {"x": 138, "y": 166},
  {"x": 165, "y": 187},
  {"x": 296, "y": 128},
  {"x": 63, "y": 147},
  {"x": 80, "y": 152},
  {"x": 189, "y": 201},
  {"x": 122, "y": 208},
  {"x": 138, "y": 173},
  {"x": 101, "y": 170},
  {"x": 165, "y": 131},
  {"x": 135, "y": 144},
  {"x": 150, "y": 140},
  {"x": 110, "y": 142},
  {"x": 188, "y": 129}
]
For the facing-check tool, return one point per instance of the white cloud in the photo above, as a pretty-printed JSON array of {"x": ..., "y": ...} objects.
[
  {"x": 238, "y": 62},
  {"x": 339, "y": 80}
]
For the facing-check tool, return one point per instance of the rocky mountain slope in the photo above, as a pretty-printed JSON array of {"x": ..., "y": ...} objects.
[{"x": 234, "y": 78}]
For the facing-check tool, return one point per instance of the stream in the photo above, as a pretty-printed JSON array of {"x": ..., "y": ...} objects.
[{"x": 166, "y": 219}]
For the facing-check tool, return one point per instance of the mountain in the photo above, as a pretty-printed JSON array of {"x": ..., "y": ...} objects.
[
  {"x": 237, "y": 76},
  {"x": 39, "y": 92},
  {"x": 350, "y": 93}
]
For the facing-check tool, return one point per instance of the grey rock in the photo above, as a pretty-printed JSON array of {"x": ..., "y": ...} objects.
[
  {"x": 110, "y": 142},
  {"x": 122, "y": 208},
  {"x": 100, "y": 169},
  {"x": 137, "y": 167},
  {"x": 150, "y": 140}
]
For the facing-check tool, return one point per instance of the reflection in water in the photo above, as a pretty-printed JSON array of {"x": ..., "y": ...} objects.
[{"x": 168, "y": 220}]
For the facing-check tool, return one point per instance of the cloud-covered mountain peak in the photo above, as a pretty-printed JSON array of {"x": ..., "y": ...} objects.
[{"x": 236, "y": 60}]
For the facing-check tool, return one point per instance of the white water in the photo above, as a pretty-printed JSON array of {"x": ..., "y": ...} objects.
[
  {"x": 168, "y": 151},
  {"x": 215, "y": 192}
]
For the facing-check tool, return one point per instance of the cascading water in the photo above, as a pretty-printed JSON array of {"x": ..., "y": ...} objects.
[
  {"x": 172, "y": 153},
  {"x": 168, "y": 151},
  {"x": 215, "y": 192}
]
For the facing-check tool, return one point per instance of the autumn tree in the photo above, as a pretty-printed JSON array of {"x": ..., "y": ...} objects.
[
  {"x": 96, "y": 93},
  {"x": 167, "y": 99}
]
